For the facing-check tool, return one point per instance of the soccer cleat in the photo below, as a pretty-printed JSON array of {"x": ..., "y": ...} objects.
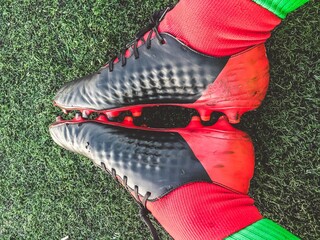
[
  {"x": 158, "y": 69},
  {"x": 156, "y": 165}
]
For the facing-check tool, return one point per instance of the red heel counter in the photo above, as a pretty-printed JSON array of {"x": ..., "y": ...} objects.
[
  {"x": 242, "y": 84},
  {"x": 227, "y": 155}
]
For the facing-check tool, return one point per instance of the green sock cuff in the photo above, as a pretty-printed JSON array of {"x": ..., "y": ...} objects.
[
  {"x": 263, "y": 229},
  {"x": 281, "y": 7}
]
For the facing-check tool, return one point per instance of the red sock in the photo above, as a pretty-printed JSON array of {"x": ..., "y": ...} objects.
[
  {"x": 219, "y": 28},
  {"x": 204, "y": 211}
]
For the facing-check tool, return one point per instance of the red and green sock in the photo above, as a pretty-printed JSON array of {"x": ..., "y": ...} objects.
[{"x": 202, "y": 211}]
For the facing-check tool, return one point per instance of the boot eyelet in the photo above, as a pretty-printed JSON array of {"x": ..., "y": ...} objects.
[{"x": 162, "y": 42}]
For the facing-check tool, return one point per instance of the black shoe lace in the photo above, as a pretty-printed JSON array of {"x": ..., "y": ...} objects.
[
  {"x": 152, "y": 27},
  {"x": 144, "y": 212}
]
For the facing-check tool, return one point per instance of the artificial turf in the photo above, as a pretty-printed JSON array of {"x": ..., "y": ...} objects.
[{"x": 49, "y": 193}]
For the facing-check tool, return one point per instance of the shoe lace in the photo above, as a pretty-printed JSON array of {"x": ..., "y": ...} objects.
[
  {"x": 144, "y": 212},
  {"x": 152, "y": 27}
]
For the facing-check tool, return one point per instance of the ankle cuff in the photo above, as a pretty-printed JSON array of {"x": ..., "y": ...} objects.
[
  {"x": 264, "y": 229},
  {"x": 281, "y": 7}
]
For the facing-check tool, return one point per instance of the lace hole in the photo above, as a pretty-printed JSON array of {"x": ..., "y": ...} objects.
[{"x": 162, "y": 42}]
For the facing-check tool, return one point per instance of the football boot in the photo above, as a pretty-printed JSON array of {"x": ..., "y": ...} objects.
[
  {"x": 172, "y": 171},
  {"x": 156, "y": 69}
]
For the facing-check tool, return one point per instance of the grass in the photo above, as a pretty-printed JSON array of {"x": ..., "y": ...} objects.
[{"x": 48, "y": 193}]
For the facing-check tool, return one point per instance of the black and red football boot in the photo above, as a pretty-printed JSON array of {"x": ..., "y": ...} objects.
[
  {"x": 193, "y": 180},
  {"x": 158, "y": 69}
]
